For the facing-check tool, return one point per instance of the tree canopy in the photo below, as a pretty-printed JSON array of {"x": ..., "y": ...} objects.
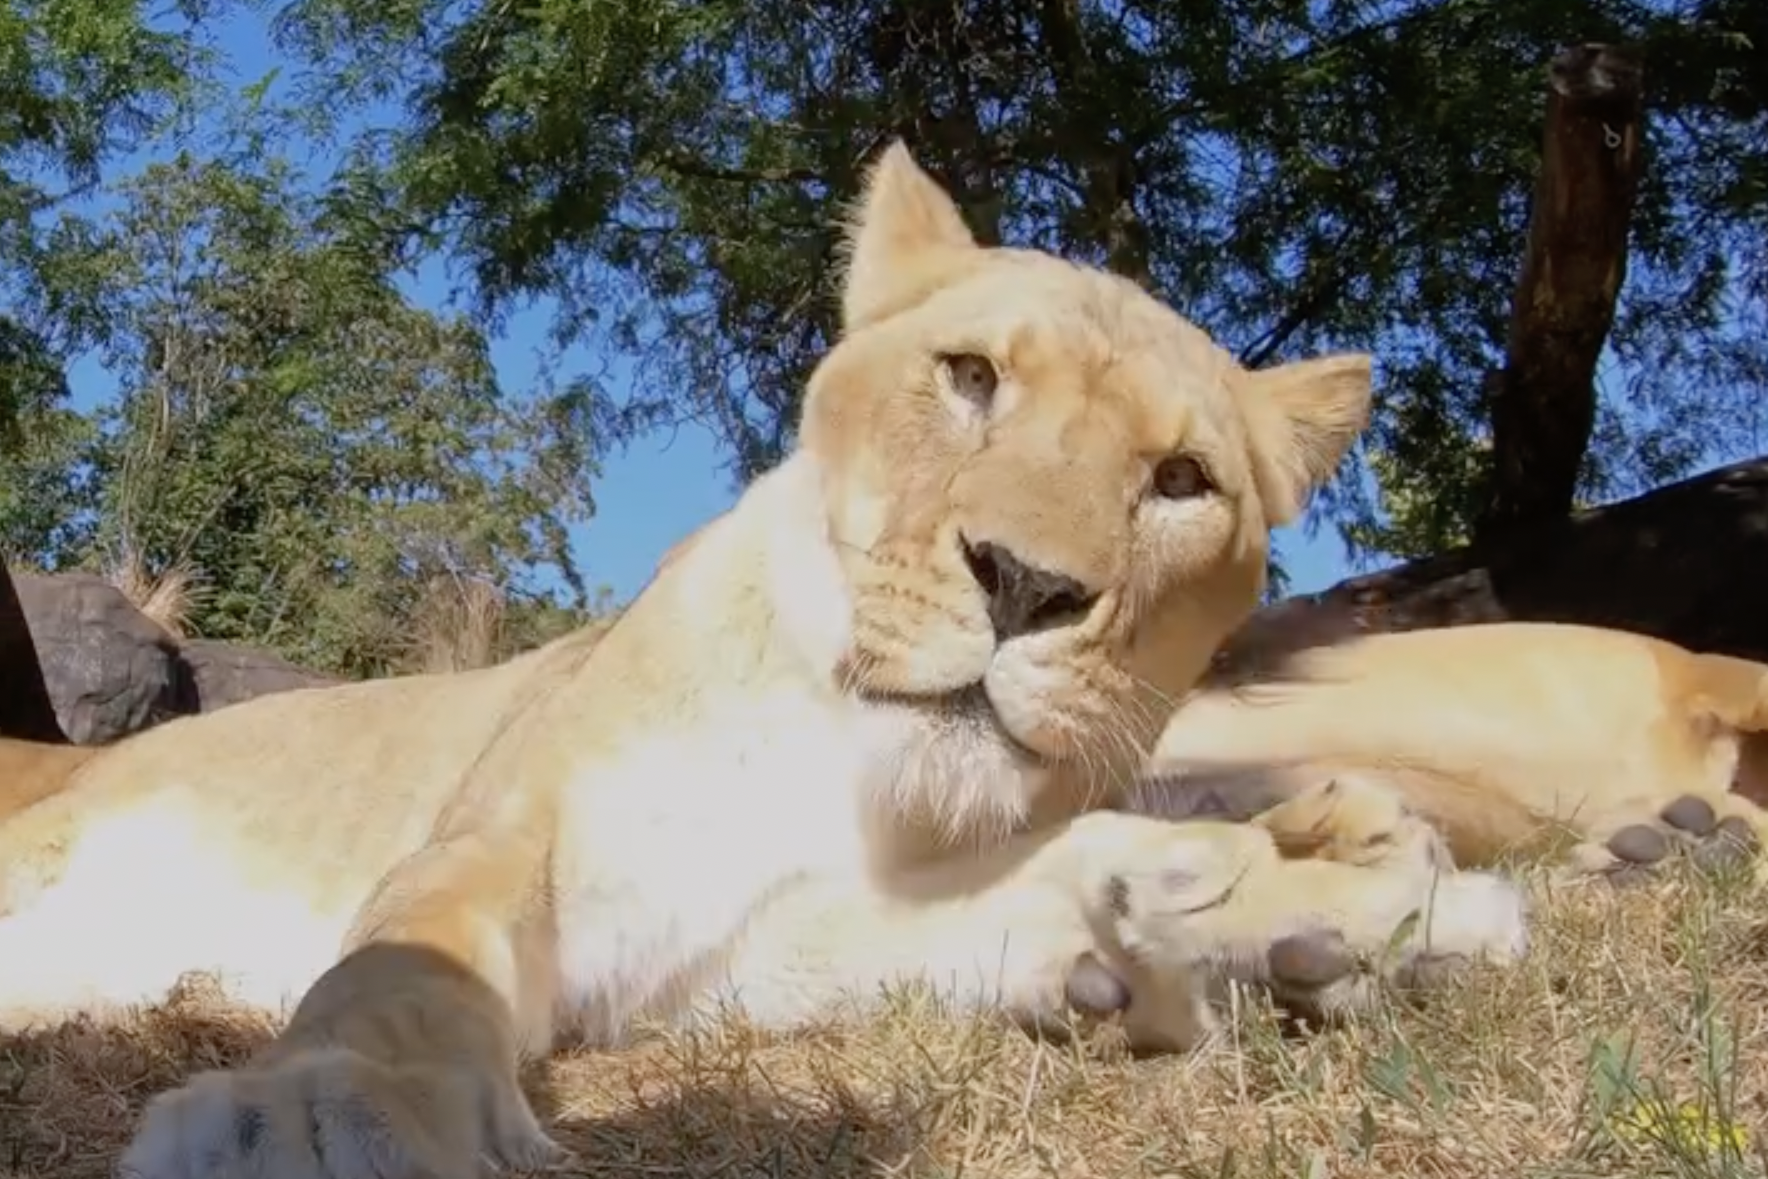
[
  {"x": 1293, "y": 176},
  {"x": 670, "y": 177},
  {"x": 297, "y": 452},
  {"x": 80, "y": 82}
]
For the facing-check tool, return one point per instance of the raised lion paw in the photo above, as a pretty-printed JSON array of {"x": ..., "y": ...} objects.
[
  {"x": 1145, "y": 880},
  {"x": 333, "y": 1114}
]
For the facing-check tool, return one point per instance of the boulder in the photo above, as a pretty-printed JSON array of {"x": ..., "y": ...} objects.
[
  {"x": 1687, "y": 563},
  {"x": 222, "y": 673},
  {"x": 102, "y": 670},
  {"x": 110, "y": 670}
]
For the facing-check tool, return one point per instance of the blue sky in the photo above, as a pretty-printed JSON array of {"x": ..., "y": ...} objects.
[{"x": 663, "y": 485}]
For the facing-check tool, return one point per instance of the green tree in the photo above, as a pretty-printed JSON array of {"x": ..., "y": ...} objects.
[
  {"x": 1293, "y": 176},
  {"x": 81, "y": 81},
  {"x": 306, "y": 451}
]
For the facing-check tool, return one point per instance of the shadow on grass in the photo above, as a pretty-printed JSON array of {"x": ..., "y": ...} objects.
[
  {"x": 728, "y": 1128},
  {"x": 70, "y": 1098},
  {"x": 1628, "y": 1044}
]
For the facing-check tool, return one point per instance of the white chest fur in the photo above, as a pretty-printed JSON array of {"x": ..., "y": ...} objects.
[{"x": 665, "y": 853}]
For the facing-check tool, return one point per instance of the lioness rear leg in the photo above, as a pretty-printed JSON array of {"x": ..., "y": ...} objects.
[
  {"x": 1262, "y": 903},
  {"x": 1714, "y": 832}
]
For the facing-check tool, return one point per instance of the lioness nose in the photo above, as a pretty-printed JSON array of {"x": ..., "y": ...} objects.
[{"x": 1023, "y": 600}]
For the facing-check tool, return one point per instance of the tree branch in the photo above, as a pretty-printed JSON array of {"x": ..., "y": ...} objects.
[
  {"x": 1544, "y": 399},
  {"x": 700, "y": 170},
  {"x": 1109, "y": 163},
  {"x": 1320, "y": 294}
]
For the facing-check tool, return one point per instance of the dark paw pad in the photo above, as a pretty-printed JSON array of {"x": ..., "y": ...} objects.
[
  {"x": 1432, "y": 970},
  {"x": 1092, "y": 989},
  {"x": 1117, "y": 897},
  {"x": 1639, "y": 844},
  {"x": 1731, "y": 845},
  {"x": 1309, "y": 961},
  {"x": 1691, "y": 814},
  {"x": 251, "y": 1126}
]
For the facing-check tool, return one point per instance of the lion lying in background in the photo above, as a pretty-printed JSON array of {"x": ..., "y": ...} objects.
[
  {"x": 864, "y": 729},
  {"x": 1496, "y": 734}
]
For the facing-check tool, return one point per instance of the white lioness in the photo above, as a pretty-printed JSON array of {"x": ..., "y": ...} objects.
[{"x": 856, "y": 733}]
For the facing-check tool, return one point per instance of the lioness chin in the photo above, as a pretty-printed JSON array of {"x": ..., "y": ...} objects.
[{"x": 859, "y": 732}]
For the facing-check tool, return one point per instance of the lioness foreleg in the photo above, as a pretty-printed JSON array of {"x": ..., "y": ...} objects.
[
  {"x": 1028, "y": 929},
  {"x": 399, "y": 1061},
  {"x": 1123, "y": 915}
]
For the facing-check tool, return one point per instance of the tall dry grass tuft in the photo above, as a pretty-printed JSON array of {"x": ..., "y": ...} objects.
[
  {"x": 456, "y": 625},
  {"x": 169, "y": 596}
]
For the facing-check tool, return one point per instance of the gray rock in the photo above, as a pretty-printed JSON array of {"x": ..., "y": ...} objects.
[
  {"x": 110, "y": 669},
  {"x": 223, "y": 674}
]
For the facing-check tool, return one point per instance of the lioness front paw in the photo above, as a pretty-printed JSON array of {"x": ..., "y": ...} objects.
[
  {"x": 334, "y": 1114},
  {"x": 1334, "y": 969},
  {"x": 1191, "y": 906},
  {"x": 1149, "y": 883}
]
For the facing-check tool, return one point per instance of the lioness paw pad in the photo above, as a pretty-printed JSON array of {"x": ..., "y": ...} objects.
[
  {"x": 1690, "y": 825},
  {"x": 335, "y": 1115},
  {"x": 1335, "y": 970},
  {"x": 1311, "y": 961},
  {"x": 1093, "y": 990}
]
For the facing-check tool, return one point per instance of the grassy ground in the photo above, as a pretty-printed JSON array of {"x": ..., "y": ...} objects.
[{"x": 1633, "y": 1043}]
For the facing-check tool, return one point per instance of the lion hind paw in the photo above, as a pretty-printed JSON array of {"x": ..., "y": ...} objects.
[{"x": 1714, "y": 839}]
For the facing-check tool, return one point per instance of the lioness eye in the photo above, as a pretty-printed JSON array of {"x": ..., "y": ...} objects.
[
  {"x": 973, "y": 377},
  {"x": 1181, "y": 477}
]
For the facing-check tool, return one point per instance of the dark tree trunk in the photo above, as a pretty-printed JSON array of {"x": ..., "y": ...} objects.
[
  {"x": 1687, "y": 563},
  {"x": 1107, "y": 160},
  {"x": 25, "y": 709},
  {"x": 1543, "y": 401}
]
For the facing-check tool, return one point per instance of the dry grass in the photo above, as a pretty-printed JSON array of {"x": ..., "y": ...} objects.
[
  {"x": 1634, "y": 1002},
  {"x": 166, "y": 597},
  {"x": 456, "y": 625}
]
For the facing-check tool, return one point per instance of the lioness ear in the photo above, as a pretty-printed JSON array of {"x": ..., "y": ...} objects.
[
  {"x": 1305, "y": 415},
  {"x": 903, "y": 232}
]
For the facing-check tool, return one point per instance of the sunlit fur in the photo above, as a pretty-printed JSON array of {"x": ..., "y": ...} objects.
[
  {"x": 1501, "y": 733},
  {"x": 798, "y": 768}
]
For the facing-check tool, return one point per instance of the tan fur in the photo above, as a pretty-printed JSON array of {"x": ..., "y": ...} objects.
[
  {"x": 679, "y": 548},
  {"x": 1498, "y": 732},
  {"x": 31, "y": 772},
  {"x": 801, "y": 765}
]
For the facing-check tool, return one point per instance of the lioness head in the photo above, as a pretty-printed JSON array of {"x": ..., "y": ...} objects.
[{"x": 1048, "y": 494}]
